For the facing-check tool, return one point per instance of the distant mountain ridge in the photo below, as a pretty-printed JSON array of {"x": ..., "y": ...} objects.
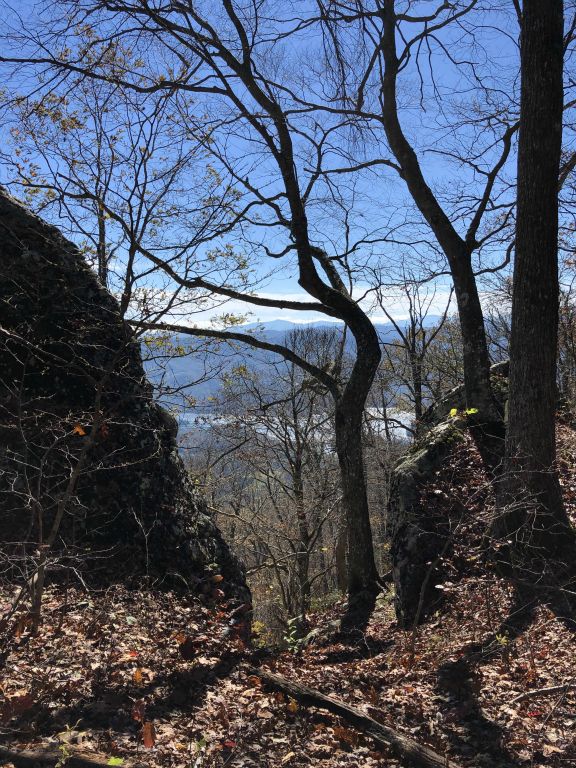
[
  {"x": 278, "y": 329},
  {"x": 181, "y": 372}
]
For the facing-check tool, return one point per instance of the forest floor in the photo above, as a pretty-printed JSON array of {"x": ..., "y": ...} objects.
[{"x": 150, "y": 678}]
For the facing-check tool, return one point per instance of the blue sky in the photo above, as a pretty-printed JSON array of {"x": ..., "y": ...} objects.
[{"x": 378, "y": 205}]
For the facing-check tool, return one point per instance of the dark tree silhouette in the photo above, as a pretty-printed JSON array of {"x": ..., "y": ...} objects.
[{"x": 533, "y": 518}]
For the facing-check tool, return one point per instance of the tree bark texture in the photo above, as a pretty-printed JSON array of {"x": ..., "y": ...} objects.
[
  {"x": 532, "y": 518},
  {"x": 362, "y": 572}
]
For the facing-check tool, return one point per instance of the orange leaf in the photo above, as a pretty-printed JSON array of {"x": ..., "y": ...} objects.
[
  {"x": 137, "y": 676},
  {"x": 293, "y": 706},
  {"x": 148, "y": 734},
  {"x": 78, "y": 430}
]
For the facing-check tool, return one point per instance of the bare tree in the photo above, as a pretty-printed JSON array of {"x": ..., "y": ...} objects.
[
  {"x": 393, "y": 38},
  {"x": 295, "y": 151},
  {"x": 114, "y": 182},
  {"x": 407, "y": 355},
  {"x": 271, "y": 470},
  {"x": 227, "y": 56}
]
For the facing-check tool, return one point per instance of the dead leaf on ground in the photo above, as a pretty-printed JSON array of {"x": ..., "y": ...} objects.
[{"x": 148, "y": 734}]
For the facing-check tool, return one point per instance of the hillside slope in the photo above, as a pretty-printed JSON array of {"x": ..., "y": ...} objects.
[{"x": 156, "y": 680}]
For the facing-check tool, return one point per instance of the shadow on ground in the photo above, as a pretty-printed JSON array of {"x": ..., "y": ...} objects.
[{"x": 459, "y": 686}]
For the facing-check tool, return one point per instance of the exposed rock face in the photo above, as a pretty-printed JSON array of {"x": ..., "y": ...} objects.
[
  {"x": 456, "y": 398},
  {"x": 421, "y": 533},
  {"x": 418, "y": 536},
  {"x": 80, "y": 434}
]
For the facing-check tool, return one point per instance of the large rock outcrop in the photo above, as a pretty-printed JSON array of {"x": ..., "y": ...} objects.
[
  {"x": 81, "y": 437},
  {"x": 425, "y": 521},
  {"x": 419, "y": 535}
]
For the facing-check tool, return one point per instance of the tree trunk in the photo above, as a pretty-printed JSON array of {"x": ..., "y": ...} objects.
[
  {"x": 532, "y": 519},
  {"x": 303, "y": 551},
  {"x": 341, "y": 554},
  {"x": 486, "y": 426},
  {"x": 101, "y": 249},
  {"x": 416, "y": 375},
  {"x": 362, "y": 573}
]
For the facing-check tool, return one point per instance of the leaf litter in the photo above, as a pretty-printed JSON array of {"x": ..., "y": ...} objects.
[{"x": 152, "y": 678}]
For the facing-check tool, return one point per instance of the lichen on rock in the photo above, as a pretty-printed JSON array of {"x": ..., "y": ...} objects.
[{"x": 421, "y": 535}]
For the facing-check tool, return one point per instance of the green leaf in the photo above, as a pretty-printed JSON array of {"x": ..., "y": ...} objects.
[
  {"x": 470, "y": 411},
  {"x": 453, "y": 411},
  {"x": 116, "y": 761}
]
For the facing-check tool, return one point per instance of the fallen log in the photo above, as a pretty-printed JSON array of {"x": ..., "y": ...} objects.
[
  {"x": 403, "y": 746},
  {"x": 30, "y": 759}
]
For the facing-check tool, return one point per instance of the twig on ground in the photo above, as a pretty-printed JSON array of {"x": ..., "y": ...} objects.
[{"x": 544, "y": 691}]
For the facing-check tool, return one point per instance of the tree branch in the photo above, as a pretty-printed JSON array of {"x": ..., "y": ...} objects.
[{"x": 244, "y": 338}]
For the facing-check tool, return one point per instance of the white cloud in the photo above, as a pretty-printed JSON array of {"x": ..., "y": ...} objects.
[{"x": 396, "y": 304}]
